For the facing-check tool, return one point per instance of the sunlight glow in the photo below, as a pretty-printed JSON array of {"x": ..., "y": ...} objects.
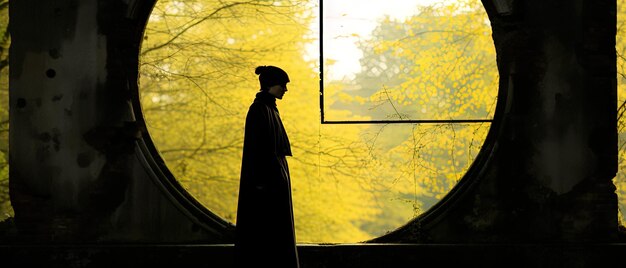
[{"x": 347, "y": 22}]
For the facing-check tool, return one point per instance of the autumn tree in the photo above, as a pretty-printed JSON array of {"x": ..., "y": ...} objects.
[
  {"x": 620, "y": 48},
  {"x": 436, "y": 64},
  {"x": 197, "y": 80}
]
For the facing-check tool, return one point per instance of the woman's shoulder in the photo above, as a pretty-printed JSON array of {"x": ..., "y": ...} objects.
[
  {"x": 260, "y": 104},
  {"x": 257, "y": 105},
  {"x": 259, "y": 108}
]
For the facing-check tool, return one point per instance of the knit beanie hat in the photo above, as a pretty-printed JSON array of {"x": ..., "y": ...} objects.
[{"x": 271, "y": 76}]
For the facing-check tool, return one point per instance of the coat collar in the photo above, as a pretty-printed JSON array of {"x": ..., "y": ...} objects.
[{"x": 266, "y": 98}]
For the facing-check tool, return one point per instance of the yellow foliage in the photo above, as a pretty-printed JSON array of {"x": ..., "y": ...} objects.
[{"x": 620, "y": 47}]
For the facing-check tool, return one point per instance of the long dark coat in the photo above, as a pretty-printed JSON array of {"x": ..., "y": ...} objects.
[{"x": 265, "y": 229}]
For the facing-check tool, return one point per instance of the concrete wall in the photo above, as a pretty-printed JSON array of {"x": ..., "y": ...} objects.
[{"x": 80, "y": 170}]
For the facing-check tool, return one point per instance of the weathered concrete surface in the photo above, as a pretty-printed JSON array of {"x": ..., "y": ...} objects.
[{"x": 78, "y": 171}]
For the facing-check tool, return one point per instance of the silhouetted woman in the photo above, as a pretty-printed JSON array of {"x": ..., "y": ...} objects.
[{"x": 265, "y": 228}]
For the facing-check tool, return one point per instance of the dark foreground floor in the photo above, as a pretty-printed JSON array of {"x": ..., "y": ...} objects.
[{"x": 326, "y": 256}]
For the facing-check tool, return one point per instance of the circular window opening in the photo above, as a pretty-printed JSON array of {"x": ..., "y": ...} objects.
[{"x": 350, "y": 182}]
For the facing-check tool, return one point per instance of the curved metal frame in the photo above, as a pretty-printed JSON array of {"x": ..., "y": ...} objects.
[
  {"x": 149, "y": 156},
  {"x": 203, "y": 217}
]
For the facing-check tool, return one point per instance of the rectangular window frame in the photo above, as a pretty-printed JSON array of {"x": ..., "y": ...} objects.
[{"x": 387, "y": 121}]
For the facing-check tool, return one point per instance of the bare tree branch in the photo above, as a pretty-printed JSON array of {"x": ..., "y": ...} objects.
[{"x": 190, "y": 26}]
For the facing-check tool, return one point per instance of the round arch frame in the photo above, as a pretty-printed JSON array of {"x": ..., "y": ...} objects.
[{"x": 140, "y": 10}]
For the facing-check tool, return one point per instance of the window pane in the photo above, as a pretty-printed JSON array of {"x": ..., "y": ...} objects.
[{"x": 399, "y": 60}]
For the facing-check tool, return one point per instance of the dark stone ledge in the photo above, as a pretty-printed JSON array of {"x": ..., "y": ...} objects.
[{"x": 320, "y": 256}]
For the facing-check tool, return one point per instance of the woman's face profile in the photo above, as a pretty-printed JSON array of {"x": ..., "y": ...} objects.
[{"x": 278, "y": 91}]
